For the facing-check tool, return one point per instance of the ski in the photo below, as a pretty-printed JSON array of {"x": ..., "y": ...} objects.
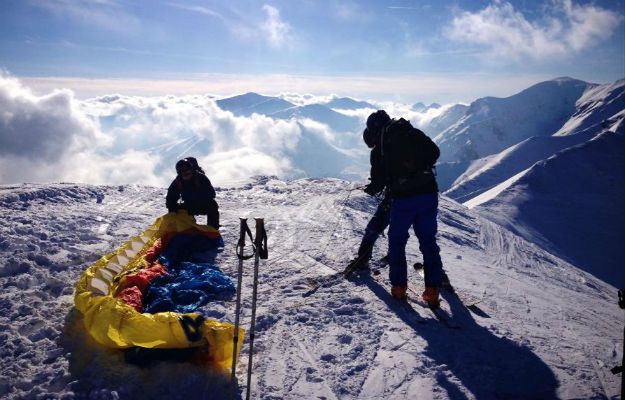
[
  {"x": 332, "y": 279},
  {"x": 438, "y": 312},
  {"x": 470, "y": 302},
  {"x": 410, "y": 313}
]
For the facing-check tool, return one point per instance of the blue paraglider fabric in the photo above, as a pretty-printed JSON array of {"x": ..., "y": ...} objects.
[{"x": 190, "y": 283}]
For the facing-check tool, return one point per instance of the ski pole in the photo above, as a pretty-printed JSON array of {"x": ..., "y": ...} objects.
[
  {"x": 260, "y": 243},
  {"x": 235, "y": 338}
]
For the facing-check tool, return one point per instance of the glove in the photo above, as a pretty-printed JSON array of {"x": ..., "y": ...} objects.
[{"x": 371, "y": 189}]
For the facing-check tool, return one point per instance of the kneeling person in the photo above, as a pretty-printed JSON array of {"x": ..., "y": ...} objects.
[{"x": 195, "y": 190}]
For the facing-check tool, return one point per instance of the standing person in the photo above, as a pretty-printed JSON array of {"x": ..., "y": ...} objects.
[
  {"x": 196, "y": 191},
  {"x": 408, "y": 158},
  {"x": 380, "y": 220}
]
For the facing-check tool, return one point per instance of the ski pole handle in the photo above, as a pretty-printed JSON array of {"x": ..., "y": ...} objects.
[
  {"x": 243, "y": 230},
  {"x": 261, "y": 239}
]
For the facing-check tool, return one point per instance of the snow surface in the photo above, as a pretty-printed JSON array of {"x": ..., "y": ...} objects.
[
  {"x": 545, "y": 328},
  {"x": 488, "y": 172}
]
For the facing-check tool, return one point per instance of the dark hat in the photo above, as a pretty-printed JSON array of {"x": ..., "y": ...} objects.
[
  {"x": 183, "y": 165},
  {"x": 377, "y": 120}
]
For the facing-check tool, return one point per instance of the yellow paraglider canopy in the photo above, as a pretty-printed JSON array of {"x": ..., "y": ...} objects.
[{"x": 115, "y": 324}]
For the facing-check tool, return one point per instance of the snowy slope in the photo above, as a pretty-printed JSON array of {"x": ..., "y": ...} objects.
[
  {"x": 598, "y": 108},
  {"x": 491, "y": 125},
  {"x": 447, "y": 118},
  {"x": 488, "y": 172},
  {"x": 568, "y": 204},
  {"x": 546, "y": 329}
]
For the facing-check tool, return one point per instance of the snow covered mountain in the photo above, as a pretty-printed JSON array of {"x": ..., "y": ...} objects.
[
  {"x": 491, "y": 125},
  {"x": 446, "y": 119},
  {"x": 420, "y": 107},
  {"x": 542, "y": 328},
  {"x": 493, "y": 183},
  {"x": 320, "y": 113},
  {"x": 347, "y": 103},
  {"x": 485, "y": 173},
  {"x": 250, "y": 103},
  {"x": 275, "y": 107},
  {"x": 600, "y": 107},
  {"x": 566, "y": 204}
]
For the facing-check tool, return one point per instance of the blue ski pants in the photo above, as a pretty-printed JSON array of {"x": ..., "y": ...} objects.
[{"x": 420, "y": 212}]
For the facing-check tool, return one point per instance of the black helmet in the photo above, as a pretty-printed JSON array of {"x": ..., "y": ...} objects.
[
  {"x": 377, "y": 120},
  {"x": 370, "y": 137},
  {"x": 183, "y": 165}
]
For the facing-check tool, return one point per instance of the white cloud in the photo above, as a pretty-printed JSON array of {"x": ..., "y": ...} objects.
[
  {"x": 278, "y": 33},
  {"x": 227, "y": 167},
  {"x": 129, "y": 167},
  {"x": 45, "y": 128},
  {"x": 50, "y": 138},
  {"x": 117, "y": 139},
  {"x": 198, "y": 9},
  {"x": 508, "y": 34}
]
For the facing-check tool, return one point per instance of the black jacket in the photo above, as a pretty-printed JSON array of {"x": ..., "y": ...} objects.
[
  {"x": 377, "y": 174},
  {"x": 407, "y": 158},
  {"x": 197, "y": 194}
]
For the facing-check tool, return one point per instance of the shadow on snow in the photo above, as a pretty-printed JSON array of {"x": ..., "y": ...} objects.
[{"x": 487, "y": 365}]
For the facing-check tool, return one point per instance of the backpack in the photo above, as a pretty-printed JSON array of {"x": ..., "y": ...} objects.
[{"x": 409, "y": 156}]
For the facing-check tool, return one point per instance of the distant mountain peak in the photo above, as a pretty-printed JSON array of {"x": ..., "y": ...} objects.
[
  {"x": 250, "y": 102},
  {"x": 421, "y": 107},
  {"x": 564, "y": 79},
  {"x": 347, "y": 103}
]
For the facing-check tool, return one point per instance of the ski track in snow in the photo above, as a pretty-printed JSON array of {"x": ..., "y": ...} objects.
[{"x": 547, "y": 329}]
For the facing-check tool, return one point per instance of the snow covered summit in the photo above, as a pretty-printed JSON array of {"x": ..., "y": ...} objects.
[
  {"x": 542, "y": 327},
  {"x": 491, "y": 124}
]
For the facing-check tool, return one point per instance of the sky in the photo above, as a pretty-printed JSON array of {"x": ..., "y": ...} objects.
[
  {"x": 115, "y": 91},
  {"x": 442, "y": 51}
]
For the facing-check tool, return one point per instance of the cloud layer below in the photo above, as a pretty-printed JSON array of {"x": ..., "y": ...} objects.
[{"x": 116, "y": 139}]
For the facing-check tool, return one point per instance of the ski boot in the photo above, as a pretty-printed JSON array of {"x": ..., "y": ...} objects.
[
  {"x": 359, "y": 263},
  {"x": 399, "y": 293},
  {"x": 430, "y": 296}
]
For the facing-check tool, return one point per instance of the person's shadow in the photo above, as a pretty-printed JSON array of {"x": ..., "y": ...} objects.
[{"x": 488, "y": 366}]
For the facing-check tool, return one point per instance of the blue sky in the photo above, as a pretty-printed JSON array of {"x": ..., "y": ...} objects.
[{"x": 386, "y": 50}]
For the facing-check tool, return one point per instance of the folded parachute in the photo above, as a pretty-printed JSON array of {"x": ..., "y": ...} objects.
[{"x": 144, "y": 293}]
